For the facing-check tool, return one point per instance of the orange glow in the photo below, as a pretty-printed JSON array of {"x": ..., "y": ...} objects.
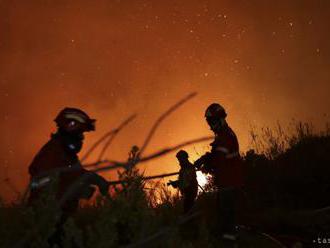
[
  {"x": 115, "y": 58},
  {"x": 201, "y": 178}
]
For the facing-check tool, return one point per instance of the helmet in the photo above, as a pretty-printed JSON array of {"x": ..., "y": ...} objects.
[
  {"x": 74, "y": 120},
  {"x": 215, "y": 115},
  {"x": 215, "y": 110},
  {"x": 182, "y": 154}
]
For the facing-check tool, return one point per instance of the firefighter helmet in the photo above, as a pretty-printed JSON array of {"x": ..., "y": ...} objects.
[
  {"x": 215, "y": 110},
  {"x": 182, "y": 154},
  {"x": 74, "y": 120},
  {"x": 215, "y": 115}
]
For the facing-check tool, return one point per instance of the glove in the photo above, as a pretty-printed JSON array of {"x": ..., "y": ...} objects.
[
  {"x": 198, "y": 163},
  {"x": 103, "y": 187},
  {"x": 174, "y": 184},
  {"x": 100, "y": 182},
  {"x": 201, "y": 161}
]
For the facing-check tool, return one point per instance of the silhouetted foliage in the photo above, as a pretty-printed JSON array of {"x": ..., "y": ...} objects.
[
  {"x": 286, "y": 175},
  {"x": 293, "y": 172}
]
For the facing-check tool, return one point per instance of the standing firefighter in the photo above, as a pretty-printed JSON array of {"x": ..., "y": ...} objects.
[
  {"x": 59, "y": 157},
  {"x": 187, "y": 182},
  {"x": 224, "y": 164}
]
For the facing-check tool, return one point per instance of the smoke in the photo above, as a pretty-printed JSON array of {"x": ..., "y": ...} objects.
[{"x": 264, "y": 62}]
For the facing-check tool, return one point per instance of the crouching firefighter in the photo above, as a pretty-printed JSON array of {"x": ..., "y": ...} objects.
[
  {"x": 59, "y": 156},
  {"x": 224, "y": 163},
  {"x": 187, "y": 182}
]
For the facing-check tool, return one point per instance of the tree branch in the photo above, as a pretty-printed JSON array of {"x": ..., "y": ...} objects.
[
  {"x": 112, "y": 133},
  {"x": 147, "y": 178},
  {"x": 162, "y": 117}
]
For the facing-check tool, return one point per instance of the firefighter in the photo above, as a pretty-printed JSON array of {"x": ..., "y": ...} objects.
[
  {"x": 224, "y": 163},
  {"x": 187, "y": 182},
  {"x": 59, "y": 157}
]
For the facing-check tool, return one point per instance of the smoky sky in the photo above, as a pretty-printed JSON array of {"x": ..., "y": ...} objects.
[{"x": 265, "y": 61}]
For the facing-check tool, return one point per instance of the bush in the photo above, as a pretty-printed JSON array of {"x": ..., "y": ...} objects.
[
  {"x": 293, "y": 171},
  {"x": 284, "y": 173}
]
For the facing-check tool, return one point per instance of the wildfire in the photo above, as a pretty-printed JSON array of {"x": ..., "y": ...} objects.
[{"x": 201, "y": 178}]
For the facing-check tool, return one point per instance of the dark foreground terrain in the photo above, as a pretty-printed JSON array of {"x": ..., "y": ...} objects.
[{"x": 286, "y": 199}]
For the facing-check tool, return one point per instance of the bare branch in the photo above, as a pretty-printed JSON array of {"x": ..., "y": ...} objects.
[
  {"x": 106, "y": 146},
  {"x": 161, "y": 176},
  {"x": 98, "y": 163},
  {"x": 116, "y": 164},
  {"x": 112, "y": 133},
  {"x": 174, "y": 148},
  {"x": 121, "y": 126},
  {"x": 97, "y": 143},
  {"x": 147, "y": 178},
  {"x": 162, "y": 117},
  {"x": 112, "y": 164}
]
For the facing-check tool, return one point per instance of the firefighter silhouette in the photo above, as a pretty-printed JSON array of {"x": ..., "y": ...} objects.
[
  {"x": 224, "y": 163},
  {"x": 187, "y": 182},
  {"x": 60, "y": 154}
]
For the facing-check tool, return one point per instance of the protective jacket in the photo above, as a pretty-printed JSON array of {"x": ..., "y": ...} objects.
[
  {"x": 60, "y": 154},
  {"x": 224, "y": 161},
  {"x": 187, "y": 179}
]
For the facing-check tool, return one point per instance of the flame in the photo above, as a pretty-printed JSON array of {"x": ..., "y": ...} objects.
[{"x": 201, "y": 178}]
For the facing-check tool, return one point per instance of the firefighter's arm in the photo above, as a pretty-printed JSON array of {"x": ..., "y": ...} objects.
[
  {"x": 210, "y": 160},
  {"x": 205, "y": 163},
  {"x": 199, "y": 163},
  {"x": 100, "y": 182},
  {"x": 174, "y": 184}
]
